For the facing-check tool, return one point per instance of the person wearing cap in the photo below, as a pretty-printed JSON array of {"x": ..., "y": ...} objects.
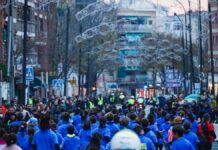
[
  {"x": 191, "y": 136},
  {"x": 180, "y": 143},
  {"x": 125, "y": 139},
  {"x": 146, "y": 143}
]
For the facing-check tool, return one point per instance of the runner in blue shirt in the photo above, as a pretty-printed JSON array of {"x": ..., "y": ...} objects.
[
  {"x": 148, "y": 132},
  {"x": 132, "y": 122},
  {"x": 59, "y": 136},
  {"x": 85, "y": 135},
  {"x": 62, "y": 128},
  {"x": 76, "y": 118},
  {"x": 93, "y": 121},
  {"x": 95, "y": 142},
  {"x": 180, "y": 143},
  {"x": 190, "y": 136},
  {"x": 104, "y": 131},
  {"x": 28, "y": 142},
  {"x": 71, "y": 142},
  {"x": 110, "y": 124},
  {"x": 45, "y": 138},
  {"x": 147, "y": 144},
  {"x": 22, "y": 135}
]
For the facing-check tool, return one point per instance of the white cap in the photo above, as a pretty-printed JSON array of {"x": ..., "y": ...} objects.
[{"x": 125, "y": 139}]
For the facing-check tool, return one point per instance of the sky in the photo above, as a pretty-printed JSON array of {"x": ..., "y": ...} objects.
[{"x": 174, "y": 6}]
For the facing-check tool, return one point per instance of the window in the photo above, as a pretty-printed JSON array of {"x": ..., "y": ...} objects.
[
  {"x": 41, "y": 24},
  {"x": 216, "y": 40},
  {"x": 20, "y": 12},
  {"x": 177, "y": 26},
  {"x": 150, "y": 22},
  {"x": 167, "y": 26}
]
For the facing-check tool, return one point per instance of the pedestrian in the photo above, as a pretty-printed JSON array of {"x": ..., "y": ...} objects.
[
  {"x": 191, "y": 136},
  {"x": 104, "y": 131},
  {"x": 28, "y": 142},
  {"x": 71, "y": 141},
  {"x": 45, "y": 138},
  {"x": 180, "y": 143},
  {"x": 95, "y": 142},
  {"x": 85, "y": 134},
  {"x": 146, "y": 143},
  {"x": 206, "y": 133},
  {"x": 11, "y": 142}
]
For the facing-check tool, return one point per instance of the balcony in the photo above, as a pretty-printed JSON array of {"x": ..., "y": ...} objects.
[{"x": 131, "y": 28}]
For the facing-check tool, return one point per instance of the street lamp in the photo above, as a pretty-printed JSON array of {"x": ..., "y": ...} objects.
[{"x": 183, "y": 56}]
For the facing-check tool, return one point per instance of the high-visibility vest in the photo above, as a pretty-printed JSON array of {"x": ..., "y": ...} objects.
[
  {"x": 112, "y": 99},
  {"x": 140, "y": 100},
  {"x": 131, "y": 101},
  {"x": 91, "y": 105},
  {"x": 30, "y": 101},
  {"x": 100, "y": 101}
]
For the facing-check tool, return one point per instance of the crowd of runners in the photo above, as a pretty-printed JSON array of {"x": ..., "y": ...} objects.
[{"x": 99, "y": 124}]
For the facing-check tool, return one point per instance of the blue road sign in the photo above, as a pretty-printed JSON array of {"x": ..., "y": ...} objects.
[
  {"x": 29, "y": 74},
  {"x": 57, "y": 83}
]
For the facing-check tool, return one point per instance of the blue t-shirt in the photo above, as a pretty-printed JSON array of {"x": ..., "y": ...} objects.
[
  {"x": 21, "y": 138},
  {"x": 113, "y": 128},
  {"x": 151, "y": 135},
  {"x": 164, "y": 128},
  {"x": 94, "y": 126},
  {"x": 62, "y": 129},
  {"x": 105, "y": 132},
  {"x": 76, "y": 120},
  {"x": 153, "y": 127},
  {"x": 71, "y": 143},
  {"x": 60, "y": 138},
  {"x": 182, "y": 144},
  {"x": 146, "y": 143},
  {"x": 85, "y": 137},
  {"x": 192, "y": 138},
  {"x": 132, "y": 124},
  {"x": 27, "y": 145},
  {"x": 45, "y": 140},
  {"x": 160, "y": 121}
]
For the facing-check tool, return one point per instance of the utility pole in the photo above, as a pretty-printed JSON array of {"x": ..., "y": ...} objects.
[
  {"x": 191, "y": 51},
  {"x": 24, "y": 52},
  {"x": 66, "y": 52},
  {"x": 200, "y": 47},
  {"x": 10, "y": 51},
  {"x": 211, "y": 49},
  {"x": 80, "y": 64}
]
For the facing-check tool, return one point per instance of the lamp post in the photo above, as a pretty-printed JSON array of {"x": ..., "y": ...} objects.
[
  {"x": 211, "y": 49},
  {"x": 190, "y": 49},
  {"x": 183, "y": 55},
  {"x": 66, "y": 51},
  {"x": 200, "y": 47}
]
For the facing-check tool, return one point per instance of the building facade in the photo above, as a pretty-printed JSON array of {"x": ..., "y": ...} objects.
[
  {"x": 2, "y": 33},
  {"x": 214, "y": 17},
  {"x": 141, "y": 22}
]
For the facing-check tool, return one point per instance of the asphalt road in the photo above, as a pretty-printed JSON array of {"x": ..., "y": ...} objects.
[{"x": 215, "y": 146}]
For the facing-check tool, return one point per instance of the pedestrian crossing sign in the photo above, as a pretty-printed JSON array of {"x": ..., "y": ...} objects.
[
  {"x": 57, "y": 83},
  {"x": 29, "y": 74}
]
